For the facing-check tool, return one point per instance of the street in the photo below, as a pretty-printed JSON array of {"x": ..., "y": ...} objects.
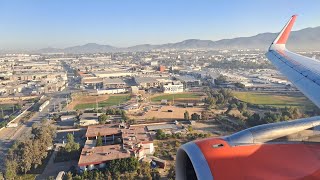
[{"x": 9, "y": 135}]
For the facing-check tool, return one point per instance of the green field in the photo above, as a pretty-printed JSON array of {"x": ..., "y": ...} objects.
[
  {"x": 111, "y": 101},
  {"x": 273, "y": 99},
  {"x": 170, "y": 97}
]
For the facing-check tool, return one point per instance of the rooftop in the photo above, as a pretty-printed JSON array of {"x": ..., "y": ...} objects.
[
  {"x": 101, "y": 154},
  {"x": 162, "y": 126},
  {"x": 133, "y": 138},
  {"x": 186, "y": 78},
  {"x": 113, "y": 81},
  {"x": 145, "y": 80},
  {"x": 133, "y": 134},
  {"x": 104, "y": 130}
]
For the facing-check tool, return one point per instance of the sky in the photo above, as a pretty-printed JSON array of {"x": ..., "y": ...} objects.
[{"x": 34, "y": 24}]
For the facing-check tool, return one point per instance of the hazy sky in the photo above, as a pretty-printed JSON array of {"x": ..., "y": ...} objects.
[{"x": 62, "y": 23}]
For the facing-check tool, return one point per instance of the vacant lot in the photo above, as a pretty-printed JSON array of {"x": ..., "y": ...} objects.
[
  {"x": 177, "y": 97},
  {"x": 102, "y": 101},
  {"x": 273, "y": 99},
  {"x": 162, "y": 112}
]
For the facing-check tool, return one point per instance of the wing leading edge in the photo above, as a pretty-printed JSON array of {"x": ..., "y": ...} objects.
[{"x": 302, "y": 71}]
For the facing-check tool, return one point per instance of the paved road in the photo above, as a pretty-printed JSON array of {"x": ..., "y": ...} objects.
[{"x": 9, "y": 135}]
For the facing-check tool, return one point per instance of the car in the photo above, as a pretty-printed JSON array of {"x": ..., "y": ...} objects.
[{"x": 170, "y": 110}]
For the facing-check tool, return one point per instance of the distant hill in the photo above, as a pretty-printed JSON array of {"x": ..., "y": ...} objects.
[{"x": 305, "y": 39}]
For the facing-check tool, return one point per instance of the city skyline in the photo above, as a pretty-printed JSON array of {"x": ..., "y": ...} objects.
[{"x": 123, "y": 23}]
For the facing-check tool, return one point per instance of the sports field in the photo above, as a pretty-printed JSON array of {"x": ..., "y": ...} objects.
[
  {"x": 273, "y": 99},
  {"x": 110, "y": 101},
  {"x": 176, "y": 97}
]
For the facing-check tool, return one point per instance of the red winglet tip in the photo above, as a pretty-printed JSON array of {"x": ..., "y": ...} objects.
[{"x": 286, "y": 31}]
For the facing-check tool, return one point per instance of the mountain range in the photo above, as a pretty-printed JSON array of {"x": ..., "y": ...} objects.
[{"x": 304, "y": 39}]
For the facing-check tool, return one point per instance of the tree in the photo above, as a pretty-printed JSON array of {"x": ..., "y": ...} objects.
[
  {"x": 171, "y": 173},
  {"x": 22, "y": 156},
  {"x": 271, "y": 117},
  {"x": 67, "y": 176},
  {"x": 254, "y": 120},
  {"x": 38, "y": 153},
  {"x": 132, "y": 121},
  {"x": 124, "y": 115},
  {"x": 211, "y": 101},
  {"x": 77, "y": 177},
  {"x": 220, "y": 80},
  {"x": 110, "y": 111},
  {"x": 290, "y": 113},
  {"x": 115, "y": 167},
  {"x": 186, "y": 115},
  {"x": 223, "y": 96},
  {"x": 230, "y": 107},
  {"x": 242, "y": 107},
  {"x": 220, "y": 99},
  {"x": 160, "y": 134},
  {"x": 195, "y": 116},
  {"x": 128, "y": 176},
  {"x": 99, "y": 140},
  {"x": 71, "y": 144},
  {"x": 145, "y": 171},
  {"x": 26, "y": 157},
  {"x": 204, "y": 115},
  {"x": 11, "y": 169},
  {"x": 102, "y": 118}
]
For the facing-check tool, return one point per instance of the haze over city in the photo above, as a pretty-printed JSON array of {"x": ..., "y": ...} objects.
[{"x": 39, "y": 24}]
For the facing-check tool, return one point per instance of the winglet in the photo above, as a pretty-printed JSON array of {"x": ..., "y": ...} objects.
[{"x": 285, "y": 32}]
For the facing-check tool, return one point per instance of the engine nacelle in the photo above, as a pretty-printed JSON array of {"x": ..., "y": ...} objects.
[
  {"x": 252, "y": 153},
  {"x": 191, "y": 163}
]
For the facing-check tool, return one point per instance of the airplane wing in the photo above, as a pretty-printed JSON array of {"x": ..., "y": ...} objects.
[
  {"x": 255, "y": 153},
  {"x": 302, "y": 71}
]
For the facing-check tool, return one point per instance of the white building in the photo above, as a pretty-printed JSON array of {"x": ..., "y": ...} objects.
[{"x": 173, "y": 88}]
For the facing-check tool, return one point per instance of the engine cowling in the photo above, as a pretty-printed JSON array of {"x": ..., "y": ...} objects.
[{"x": 253, "y": 154}]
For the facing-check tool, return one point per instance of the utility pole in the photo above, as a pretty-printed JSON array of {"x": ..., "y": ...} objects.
[
  {"x": 97, "y": 105},
  {"x": 173, "y": 100}
]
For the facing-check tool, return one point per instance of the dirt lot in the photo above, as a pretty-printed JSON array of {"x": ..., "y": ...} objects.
[
  {"x": 209, "y": 126},
  {"x": 86, "y": 99},
  {"x": 15, "y": 100},
  {"x": 162, "y": 113}
]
